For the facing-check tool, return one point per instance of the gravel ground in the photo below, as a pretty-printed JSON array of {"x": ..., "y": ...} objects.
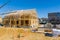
[{"x": 22, "y": 34}]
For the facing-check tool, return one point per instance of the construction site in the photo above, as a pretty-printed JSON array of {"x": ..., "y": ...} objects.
[{"x": 24, "y": 25}]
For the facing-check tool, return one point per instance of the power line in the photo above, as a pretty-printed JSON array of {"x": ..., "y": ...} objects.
[{"x": 4, "y": 4}]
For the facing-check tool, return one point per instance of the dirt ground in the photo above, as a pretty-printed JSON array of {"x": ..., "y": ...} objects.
[{"x": 22, "y": 34}]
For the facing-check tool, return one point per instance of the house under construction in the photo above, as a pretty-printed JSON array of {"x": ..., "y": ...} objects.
[{"x": 21, "y": 18}]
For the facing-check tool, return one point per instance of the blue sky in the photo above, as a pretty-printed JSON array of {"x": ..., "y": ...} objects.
[{"x": 43, "y": 7}]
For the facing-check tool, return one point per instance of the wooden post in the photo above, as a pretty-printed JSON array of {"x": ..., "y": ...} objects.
[
  {"x": 15, "y": 22},
  {"x": 23, "y": 22},
  {"x": 19, "y": 23},
  {"x": 10, "y": 22},
  {"x": 29, "y": 22}
]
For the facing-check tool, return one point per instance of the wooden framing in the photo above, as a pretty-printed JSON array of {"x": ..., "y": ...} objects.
[{"x": 21, "y": 18}]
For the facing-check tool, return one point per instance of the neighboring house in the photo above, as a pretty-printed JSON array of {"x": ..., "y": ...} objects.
[{"x": 54, "y": 17}]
